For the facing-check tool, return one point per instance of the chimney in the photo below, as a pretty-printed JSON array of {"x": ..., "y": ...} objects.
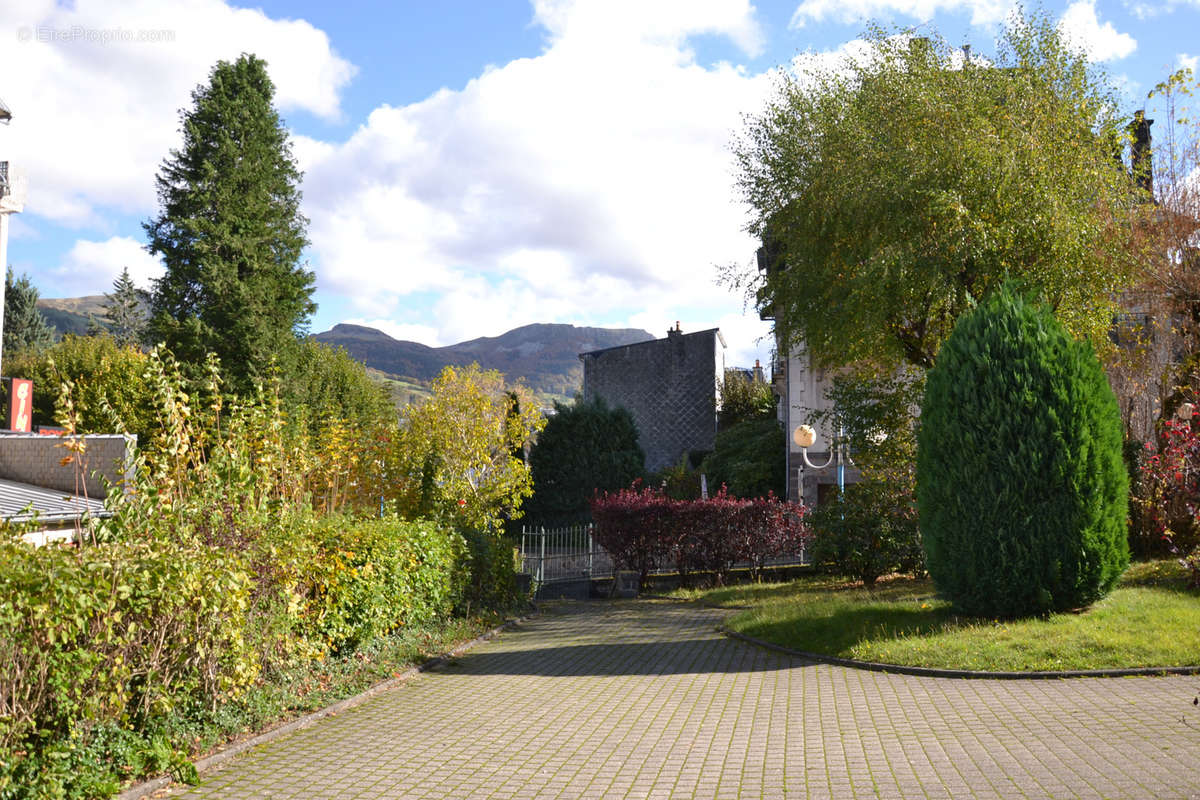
[
  {"x": 674, "y": 332},
  {"x": 758, "y": 372}
]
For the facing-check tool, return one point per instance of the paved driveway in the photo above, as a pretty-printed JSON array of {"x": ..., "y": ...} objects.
[{"x": 646, "y": 700}]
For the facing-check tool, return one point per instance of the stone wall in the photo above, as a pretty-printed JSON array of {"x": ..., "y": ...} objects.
[
  {"x": 36, "y": 459},
  {"x": 668, "y": 385}
]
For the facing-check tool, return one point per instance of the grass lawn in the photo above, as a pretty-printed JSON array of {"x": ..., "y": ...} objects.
[{"x": 1150, "y": 620}]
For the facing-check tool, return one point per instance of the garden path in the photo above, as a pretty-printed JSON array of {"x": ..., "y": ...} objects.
[{"x": 646, "y": 699}]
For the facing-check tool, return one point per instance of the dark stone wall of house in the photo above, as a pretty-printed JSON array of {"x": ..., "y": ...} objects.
[{"x": 668, "y": 385}]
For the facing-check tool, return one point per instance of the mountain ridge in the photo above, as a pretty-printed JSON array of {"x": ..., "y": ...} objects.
[{"x": 545, "y": 355}]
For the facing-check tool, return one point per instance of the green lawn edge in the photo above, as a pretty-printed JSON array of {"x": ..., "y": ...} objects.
[{"x": 1150, "y": 620}]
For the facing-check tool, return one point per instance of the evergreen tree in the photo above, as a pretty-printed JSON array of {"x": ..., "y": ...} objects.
[
  {"x": 585, "y": 447},
  {"x": 95, "y": 327},
  {"x": 746, "y": 459},
  {"x": 124, "y": 311},
  {"x": 24, "y": 325},
  {"x": 230, "y": 231},
  {"x": 1021, "y": 486}
]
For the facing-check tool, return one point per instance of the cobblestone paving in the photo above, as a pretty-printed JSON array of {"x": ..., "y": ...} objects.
[{"x": 646, "y": 700}]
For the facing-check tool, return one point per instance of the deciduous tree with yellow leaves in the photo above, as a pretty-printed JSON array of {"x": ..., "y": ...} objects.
[{"x": 461, "y": 452}]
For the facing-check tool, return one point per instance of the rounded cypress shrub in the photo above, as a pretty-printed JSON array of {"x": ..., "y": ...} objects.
[{"x": 1021, "y": 487}]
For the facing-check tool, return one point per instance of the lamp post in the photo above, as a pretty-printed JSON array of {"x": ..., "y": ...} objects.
[{"x": 805, "y": 435}]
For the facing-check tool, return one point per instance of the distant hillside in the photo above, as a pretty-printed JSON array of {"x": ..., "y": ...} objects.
[
  {"x": 70, "y": 314},
  {"x": 545, "y": 355}
]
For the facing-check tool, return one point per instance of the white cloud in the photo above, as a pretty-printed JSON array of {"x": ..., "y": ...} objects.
[
  {"x": 1190, "y": 62},
  {"x": 91, "y": 267},
  {"x": 1144, "y": 11},
  {"x": 1081, "y": 27},
  {"x": 583, "y": 185},
  {"x": 668, "y": 22},
  {"x": 95, "y": 101},
  {"x": 563, "y": 188},
  {"x": 856, "y": 12}
]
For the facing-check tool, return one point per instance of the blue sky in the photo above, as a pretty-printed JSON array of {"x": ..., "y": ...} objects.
[{"x": 470, "y": 166}]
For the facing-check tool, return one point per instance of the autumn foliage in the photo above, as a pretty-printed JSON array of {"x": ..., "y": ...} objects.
[
  {"x": 644, "y": 530},
  {"x": 1170, "y": 491}
]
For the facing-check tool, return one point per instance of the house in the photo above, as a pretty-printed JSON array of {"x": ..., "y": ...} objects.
[
  {"x": 671, "y": 388},
  {"x": 35, "y": 484},
  {"x": 812, "y": 467}
]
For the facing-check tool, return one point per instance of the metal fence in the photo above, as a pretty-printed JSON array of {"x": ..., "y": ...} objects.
[
  {"x": 558, "y": 555},
  {"x": 565, "y": 560}
]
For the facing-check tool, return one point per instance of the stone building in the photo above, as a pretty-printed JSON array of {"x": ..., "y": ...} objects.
[{"x": 670, "y": 386}]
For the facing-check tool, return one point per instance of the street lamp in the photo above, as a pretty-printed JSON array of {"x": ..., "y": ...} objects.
[{"x": 805, "y": 435}]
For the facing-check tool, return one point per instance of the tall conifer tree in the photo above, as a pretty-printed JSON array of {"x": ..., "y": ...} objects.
[
  {"x": 230, "y": 231},
  {"x": 124, "y": 311},
  {"x": 24, "y": 325}
]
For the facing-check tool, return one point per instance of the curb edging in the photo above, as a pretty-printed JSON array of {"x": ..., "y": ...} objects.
[
  {"x": 145, "y": 789},
  {"x": 937, "y": 672}
]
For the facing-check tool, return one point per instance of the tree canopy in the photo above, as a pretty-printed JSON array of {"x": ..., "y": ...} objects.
[
  {"x": 125, "y": 312},
  {"x": 24, "y": 326},
  {"x": 459, "y": 451},
  {"x": 744, "y": 398},
  {"x": 230, "y": 231},
  {"x": 894, "y": 190},
  {"x": 585, "y": 448}
]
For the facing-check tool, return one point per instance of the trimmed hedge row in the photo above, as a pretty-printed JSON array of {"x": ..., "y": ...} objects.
[
  {"x": 128, "y": 636},
  {"x": 643, "y": 530}
]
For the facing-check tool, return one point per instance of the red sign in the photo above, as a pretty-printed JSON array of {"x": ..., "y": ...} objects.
[{"x": 20, "y": 405}]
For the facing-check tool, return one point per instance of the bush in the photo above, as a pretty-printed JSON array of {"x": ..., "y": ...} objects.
[
  {"x": 748, "y": 459},
  {"x": 585, "y": 448},
  {"x": 372, "y": 577},
  {"x": 678, "y": 482},
  {"x": 1020, "y": 481},
  {"x": 490, "y": 575},
  {"x": 1168, "y": 505},
  {"x": 871, "y": 532},
  {"x": 1159, "y": 519},
  {"x": 115, "y": 634},
  {"x": 103, "y": 374},
  {"x": 328, "y": 382},
  {"x": 644, "y": 530},
  {"x": 633, "y": 526}
]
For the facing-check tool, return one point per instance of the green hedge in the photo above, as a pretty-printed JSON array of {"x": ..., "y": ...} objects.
[
  {"x": 105, "y": 649},
  {"x": 373, "y": 577},
  {"x": 111, "y": 635}
]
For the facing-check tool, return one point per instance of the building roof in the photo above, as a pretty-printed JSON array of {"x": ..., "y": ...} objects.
[
  {"x": 20, "y": 502},
  {"x": 717, "y": 331}
]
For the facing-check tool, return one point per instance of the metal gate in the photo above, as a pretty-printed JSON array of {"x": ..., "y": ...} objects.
[{"x": 563, "y": 561}]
